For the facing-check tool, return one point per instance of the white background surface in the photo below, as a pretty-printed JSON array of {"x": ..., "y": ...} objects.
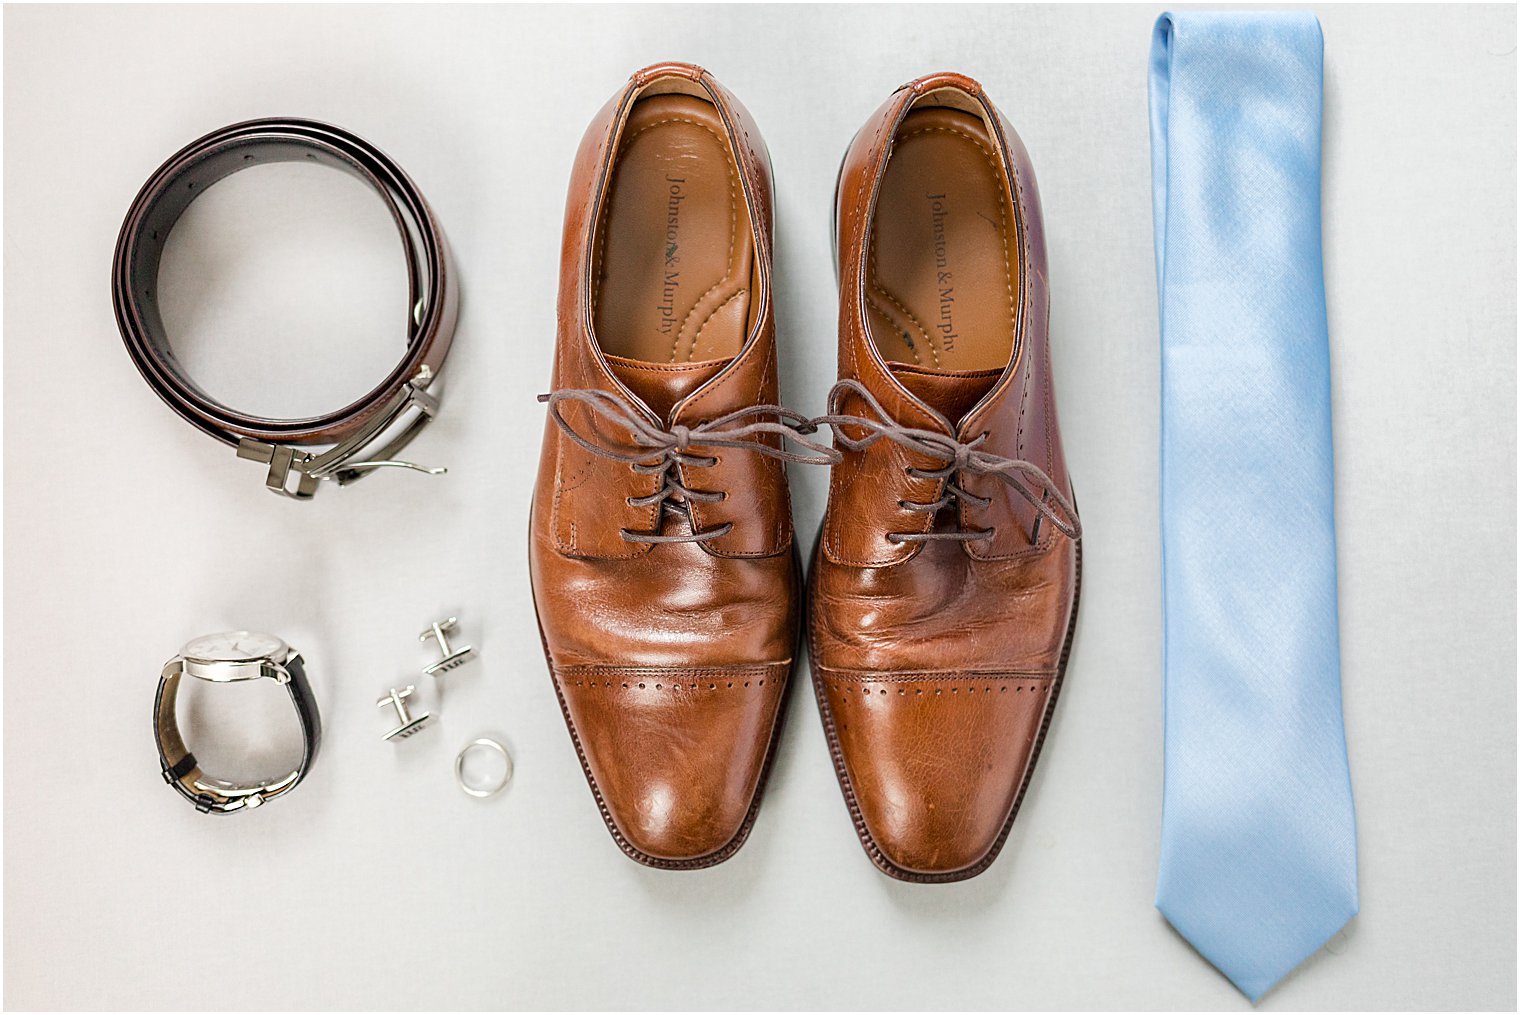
[{"x": 378, "y": 883}]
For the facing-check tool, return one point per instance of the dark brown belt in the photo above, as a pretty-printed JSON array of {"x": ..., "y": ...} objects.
[{"x": 396, "y": 409}]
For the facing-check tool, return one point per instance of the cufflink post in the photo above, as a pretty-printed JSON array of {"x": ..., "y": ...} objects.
[
  {"x": 452, "y": 657},
  {"x": 409, "y": 725}
]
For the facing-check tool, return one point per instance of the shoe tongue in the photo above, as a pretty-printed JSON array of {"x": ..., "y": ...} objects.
[
  {"x": 662, "y": 385},
  {"x": 952, "y": 392}
]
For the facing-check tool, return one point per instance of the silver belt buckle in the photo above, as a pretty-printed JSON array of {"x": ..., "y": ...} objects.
[{"x": 337, "y": 462}]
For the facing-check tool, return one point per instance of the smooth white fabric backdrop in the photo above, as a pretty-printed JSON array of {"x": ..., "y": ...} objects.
[{"x": 378, "y": 884}]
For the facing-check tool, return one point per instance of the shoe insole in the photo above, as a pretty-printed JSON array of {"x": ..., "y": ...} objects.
[
  {"x": 941, "y": 291},
  {"x": 675, "y": 254}
]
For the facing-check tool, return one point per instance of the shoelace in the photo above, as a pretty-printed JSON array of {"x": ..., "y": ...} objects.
[
  {"x": 659, "y": 451},
  {"x": 1026, "y": 478}
]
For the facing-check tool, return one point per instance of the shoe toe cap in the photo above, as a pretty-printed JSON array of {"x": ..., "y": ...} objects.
[
  {"x": 675, "y": 756},
  {"x": 935, "y": 763}
]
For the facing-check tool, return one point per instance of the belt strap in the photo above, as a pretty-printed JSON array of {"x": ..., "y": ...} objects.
[{"x": 433, "y": 302}]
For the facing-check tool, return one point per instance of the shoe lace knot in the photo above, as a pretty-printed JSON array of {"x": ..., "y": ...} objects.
[
  {"x": 658, "y": 451},
  {"x": 959, "y": 458}
]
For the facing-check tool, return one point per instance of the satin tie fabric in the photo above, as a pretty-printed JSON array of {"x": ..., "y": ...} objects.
[{"x": 1258, "y": 842}]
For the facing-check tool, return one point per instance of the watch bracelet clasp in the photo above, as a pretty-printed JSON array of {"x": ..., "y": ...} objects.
[
  {"x": 215, "y": 796},
  {"x": 337, "y": 462}
]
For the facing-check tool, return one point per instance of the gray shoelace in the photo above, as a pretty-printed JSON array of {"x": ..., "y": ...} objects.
[
  {"x": 657, "y": 451},
  {"x": 960, "y": 457}
]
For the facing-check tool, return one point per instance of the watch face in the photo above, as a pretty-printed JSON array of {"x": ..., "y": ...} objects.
[{"x": 235, "y": 647}]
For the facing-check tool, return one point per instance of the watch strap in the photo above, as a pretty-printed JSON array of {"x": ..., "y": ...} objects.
[{"x": 182, "y": 771}]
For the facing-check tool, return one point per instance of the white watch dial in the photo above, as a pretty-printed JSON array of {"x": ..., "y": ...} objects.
[{"x": 235, "y": 647}]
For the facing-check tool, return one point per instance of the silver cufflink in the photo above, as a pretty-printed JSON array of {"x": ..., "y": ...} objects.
[
  {"x": 409, "y": 725},
  {"x": 452, "y": 657}
]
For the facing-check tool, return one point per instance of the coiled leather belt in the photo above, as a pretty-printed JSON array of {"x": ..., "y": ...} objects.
[{"x": 395, "y": 410}]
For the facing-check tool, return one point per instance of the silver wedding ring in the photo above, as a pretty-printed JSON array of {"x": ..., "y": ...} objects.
[{"x": 483, "y": 791}]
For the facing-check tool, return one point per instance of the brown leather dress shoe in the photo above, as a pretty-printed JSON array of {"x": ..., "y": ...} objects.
[
  {"x": 944, "y": 586},
  {"x": 664, "y": 575}
]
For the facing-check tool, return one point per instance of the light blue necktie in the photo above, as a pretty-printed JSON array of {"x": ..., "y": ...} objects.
[{"x": 1258, "y": 835}]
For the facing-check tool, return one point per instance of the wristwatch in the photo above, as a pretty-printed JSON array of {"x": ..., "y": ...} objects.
[
  {"x": 222, "y": 658},
  {"x": 299, "y": 453}
]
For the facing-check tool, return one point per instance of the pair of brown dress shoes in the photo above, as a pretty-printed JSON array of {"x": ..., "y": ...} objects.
[{"x": 943, "y": 590}]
